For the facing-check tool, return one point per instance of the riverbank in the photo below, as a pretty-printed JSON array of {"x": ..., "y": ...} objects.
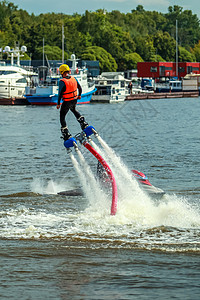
[{"x": 144, "y": 96}]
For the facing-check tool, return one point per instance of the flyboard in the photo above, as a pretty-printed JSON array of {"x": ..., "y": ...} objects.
[
  {"x": 84, "y": 138},
  {"x": 102, "y": 168}
]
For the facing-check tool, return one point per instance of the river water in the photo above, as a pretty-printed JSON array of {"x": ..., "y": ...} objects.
[{"x": 65, "y": 247}]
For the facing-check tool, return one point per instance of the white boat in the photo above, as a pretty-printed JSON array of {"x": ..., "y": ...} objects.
[
  {"x": 191, "y": 83},
  {"x": 111, "y": 87},
  {"x": 47, "y": 94},
  {"x": 13, "y": 82}
]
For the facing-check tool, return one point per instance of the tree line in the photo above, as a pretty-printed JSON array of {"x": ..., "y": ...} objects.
[{"x": 116, "y": 39}]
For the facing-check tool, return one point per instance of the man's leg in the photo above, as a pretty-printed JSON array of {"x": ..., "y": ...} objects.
[
  {"x": 64, "y": 130},
  {"x": 78, "y": 116}
]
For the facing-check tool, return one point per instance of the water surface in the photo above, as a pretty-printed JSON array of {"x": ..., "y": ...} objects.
[{"x": 61, "y": 247}]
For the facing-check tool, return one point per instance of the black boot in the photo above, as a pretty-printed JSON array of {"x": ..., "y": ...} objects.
[
  {"x": 82, "y": 122},
  {"x": 65, "y": 133}
]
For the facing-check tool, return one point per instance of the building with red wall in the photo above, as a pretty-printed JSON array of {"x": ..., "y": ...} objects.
[{"x": 166, "y": 69}]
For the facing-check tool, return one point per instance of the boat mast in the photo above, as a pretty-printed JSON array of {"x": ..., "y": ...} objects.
[
  {"x": 43, "y": 60},
  {"x": 63, "y": 37},
  {"x": 177, "y": 48}
]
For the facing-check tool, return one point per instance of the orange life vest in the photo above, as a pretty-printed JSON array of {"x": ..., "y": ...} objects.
[{"x": 71, "y": 89}]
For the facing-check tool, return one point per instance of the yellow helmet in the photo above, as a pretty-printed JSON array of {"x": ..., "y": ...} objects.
[{"x": 64, "y": 68}]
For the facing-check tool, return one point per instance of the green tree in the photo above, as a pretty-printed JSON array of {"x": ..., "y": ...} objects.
[
  {"x": 157, "y": 57},
  {"x": 76, "y": 39},
  {"x": 106, "y": 61},
  {"x": 196, "y": 51},
  {"x": 145, "y": 47},
  {"x": 6, "y": 10},
  {"x": 185, "y": 55},
  {"x": 130, "y": 61},
  {"x": 117, "y": 42},
  {"x": 52, "y": 52},
  {"x": 188, "y": 25},
  {"x": 165, "y": 45},
  {"x": 103, "y": 34},
  {"x": 10, "y": 37},
  {"x": 25, "y": 56},
  {"x": 117, "y": 18},
  {"x": 3, "y": 39},
  {"x": 150, "y": 34}
]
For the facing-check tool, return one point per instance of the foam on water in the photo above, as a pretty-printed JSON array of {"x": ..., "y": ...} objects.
[
  {"x": 39, "y": 186},
  {"x": 136, "y": 207},
  {"x": 172, "y": 225},
  {"x": 169, "y": 224}
]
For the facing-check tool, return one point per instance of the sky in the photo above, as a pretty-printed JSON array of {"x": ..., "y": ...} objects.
[{"x": 80, "y": 6}]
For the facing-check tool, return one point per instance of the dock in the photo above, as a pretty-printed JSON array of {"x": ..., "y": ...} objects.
[{"x": 143, "y": 96}]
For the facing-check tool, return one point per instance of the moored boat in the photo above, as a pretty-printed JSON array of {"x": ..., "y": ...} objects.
[
  {"x": 111, "y": 87},
  {"x": 47, "y": 94},
  {"x": 14, "y": 79},
  {"x": 169, "y": 86}
]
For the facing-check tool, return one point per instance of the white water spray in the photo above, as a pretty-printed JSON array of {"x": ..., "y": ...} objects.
[
  {"x": 39, "y": 186},
  {"x": 136, "y": 206},
  {"x": 91, "y": 187},
  {"x": 83, "y": 180},
  {"x": 127, "y": 184},
  {"x": 94, "y": 184}
]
